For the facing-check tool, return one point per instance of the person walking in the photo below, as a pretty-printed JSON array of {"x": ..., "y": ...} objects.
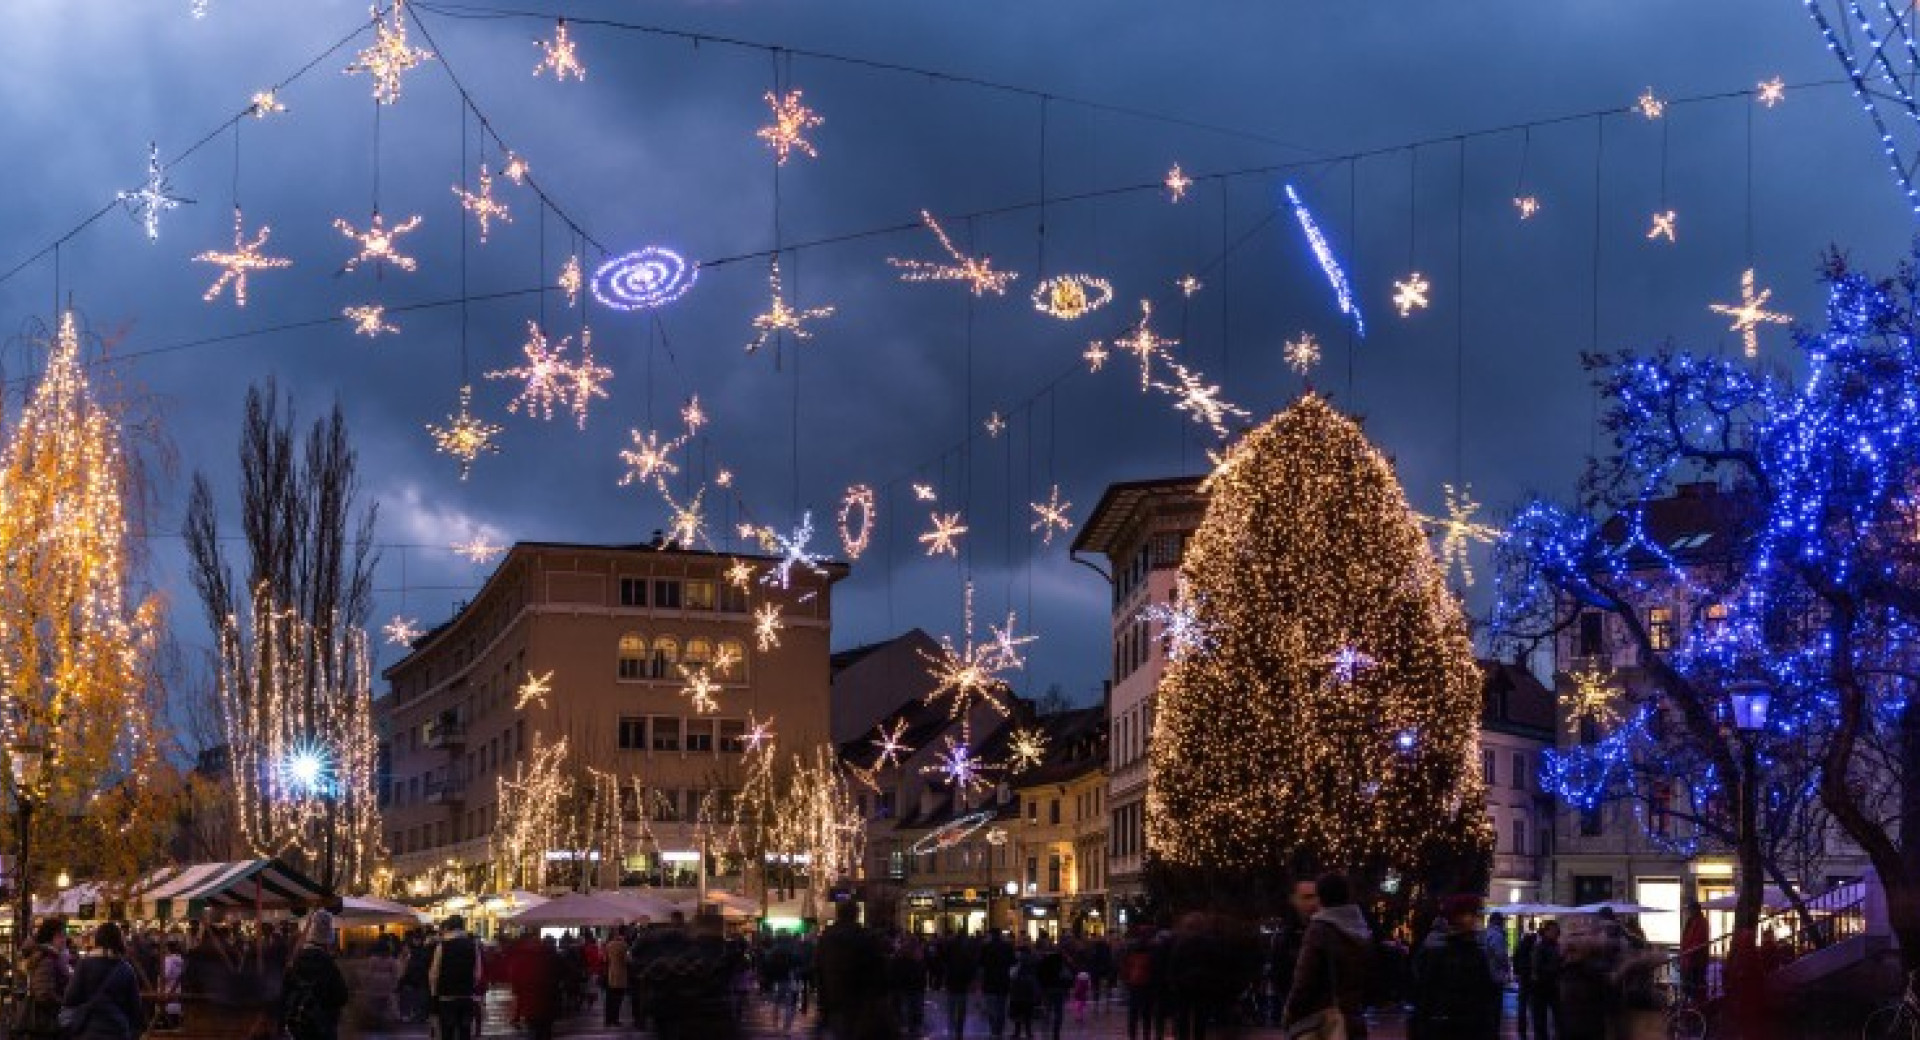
[
  {"x": 1055, "y": 974},
  {"x": 313, "y": 991},
  {"x": 43, "y": 961},
  {"x": 614, "y": 953},
  {"x": 907, "y": 982},
  {"x": 1546, "y": 982},
  {"x": 776, "y": 974},
  {"x": 850, "y": 967},
  {"x": 453, "y": 979},
  {"x": 996, "y": 978},
  {"x": 1136, "y": 974},
  {"x": 1023, "y": 995},
  {"x": 102, "y": 1001},
  {"x": 1328, "y": 993},
  {"x": 1695, "y": 940},
  {"x": 1523, "y": 979},
  {"x": 961, "y": 960},
  {"x": 1456, "y": 990}
]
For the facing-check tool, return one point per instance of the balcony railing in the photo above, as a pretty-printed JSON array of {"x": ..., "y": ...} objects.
[{"x": 447, "y": 735}]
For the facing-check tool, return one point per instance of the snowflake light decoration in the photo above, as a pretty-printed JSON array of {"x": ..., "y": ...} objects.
[
  {"x": 1771, "y": 92},
  {"x": 1095, "y": 356},
  {"x": 1649, "y": 105},
  {"x": 781, "y": 317},
  {"x": 739, "y": 573},
  {"x": 958, "y": 766},
  {"x": 478, "y": 550},
  {"x": 856, "y": 520},
  {"x": 693, "y": 415},
  {"x": 970, "y": 671},
  {"x": 945, "y": 536},
  {"x": 1181, "y": 631},
  {"x": 1200, "y": 399},
  {"x": 649, "y": 458},
  {"x": 533, "y": 690},
  {"x": 794, "y": 552},
  {"x": 545, "y": 374},
  {"x": 1188, "y": 285},
  {"x": 725, "y": 660},
  {"x": 767, "y": 626},
  {"x": 1528, "y": 206},
  {"x": 570, "y": 280},
  {"x": 516, "y": 170},
  {"x": 402, "y": 631},
  {"x": 485, "y": 208},
  {"x": 390, "y": 57},
  {"x": 369, "y": 320},
  {"x": 1750, "y": 313},
  {"x": 379, "y": 243},
  {"x": 265, "y": 103},
  {"x": 1144, "y": 343},
  {"x": 1006, "y": 645},
  {"x": 1050, "y": 516},
  {"x": 699, "y": 690},
  {"x": 465, "y": 437},
  {"x": 1411, "y": 295},
  {"x": 1458, "y": 530},
  {"x": 1302, "y": 354},
  {"x": 1026, "y": 749},
  {"x": 995, "y": 425},
  {"x": 152, "y": 198},
  {"x": 582, "y": 381},
  {"x": 791, "y": 122},
  {"x": 977, "y": 272},
  {"x": 924, "y": 493},
  {"x": 1072, "y": 296},
  {"x": 759, "y": 734},
  {"x": 1665, "y": 225},
  {"x": 892, "y": 750},
  {"x": 559, "y": 57},
  {"x": 1594, "y": 697},
  {"x": 245, "y": 258},
  {"x": 1345, "y": 664},
  {"x": 686, "y": 524},
  {"x": 1177, "y": 183}
]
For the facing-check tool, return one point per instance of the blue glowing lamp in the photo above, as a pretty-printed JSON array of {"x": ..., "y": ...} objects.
[{"x": 1751, "y": 698}]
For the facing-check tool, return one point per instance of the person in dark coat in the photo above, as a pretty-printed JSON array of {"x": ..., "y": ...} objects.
[
  {"x": 313, "y": 992},
  {"x": 1456, "y": 994},
  {"x": 1302, "y": 903},
  {"x": 105, "y": 991},
  {"x": 961, "y": 959},
  {"x": 1331, "y": 976},
  {"x": 1523, "y": 978},
  {"x": 1547, "y": 963},
  {"x": 453, "y": 979},
  {"x": 1023, "y": 995},
  {"x": 850, "y": 967},
  {"x": 996, "y": 977}
]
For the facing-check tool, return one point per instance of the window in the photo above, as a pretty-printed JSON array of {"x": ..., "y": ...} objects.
[
  {"x": 1591, "y": 640},
  {"x": 633, "y": 733},
  {"x": 666, "y": 802},
  {"x": 1053, "y": 811},
  {"x": 1592, "y": 888},
  {"x": 1660, "y": 809},
  {"x": 666, "y": 734},
  {"x": 734, "y": 651},
  {"x": 666, "y": 594},
  {"x": 733, "y": 736},
  {"x": 1660, "y": 628},
  {"x": 1716, "y": 617},
  {"x": 633, "y": 656},
  {"x": 1487, "y": 769},
  {"x": 1591, "y": 825},
  {"x": 897, "y": 865},
  {"x": 700, "y": 735},
  {"x": 1033, "y": 810},
  {"x": 666, "y": 654},
  {"x": 733, "y": 599},
  {"x": 1519, "y": 836},
  {"x": 1518, "y": 781},
  {"x": 1033, "y": 873},
  {"x": 1053, "y": 873},
  {"x": 699, "y": 652},
  {"x": 699, "y": 595},
  {"x": 633, "y": 592}
]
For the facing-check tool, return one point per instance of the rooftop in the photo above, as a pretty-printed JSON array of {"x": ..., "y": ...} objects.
[{"x": 1121, "y": 503}]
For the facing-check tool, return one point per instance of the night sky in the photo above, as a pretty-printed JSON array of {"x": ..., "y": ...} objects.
[{"x": 657, "y": 147}]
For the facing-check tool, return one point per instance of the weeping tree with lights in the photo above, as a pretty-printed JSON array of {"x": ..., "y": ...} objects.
[
  {"x": 1818, "y": 601},
  {"x": 1321, "y": 707},
  {"x": 80, "y": 704},
  {"x": 293, "y": 667}
]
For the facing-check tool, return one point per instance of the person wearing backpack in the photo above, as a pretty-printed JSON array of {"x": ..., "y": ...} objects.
[
  {"x": 313, "y": 992},
  {"x": 453, "y": 978},
  {"x": 103, "y": 999}
]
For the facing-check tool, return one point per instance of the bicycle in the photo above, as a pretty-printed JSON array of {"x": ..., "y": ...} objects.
[{"x": 1900, "y": 1019}]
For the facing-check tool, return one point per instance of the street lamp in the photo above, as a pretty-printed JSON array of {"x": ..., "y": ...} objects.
[
  {"x": 25, "y": 761},
  {"x": 1750, "y": 699}
]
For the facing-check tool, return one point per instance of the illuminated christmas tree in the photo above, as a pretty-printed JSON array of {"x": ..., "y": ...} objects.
[{"x": 1322, "y": 709}]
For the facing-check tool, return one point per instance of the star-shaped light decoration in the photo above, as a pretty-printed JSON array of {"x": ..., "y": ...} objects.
[
  {"x": 571, "y": 280},
  {"x": 582, "y": 381},
  {"x": 759, "y": 734},
  {"x": 892, "y": 750},
  {"x": 794, "y": 552},
  {"x": 649, "y": 458},
  {"x": 1594, "y": 696},
  {"x": 699, "y": 690},
  {"x": 152, "y": 198},
  {"x": 1458, "y": 530},
  {"x": 478, "y": 550},
  {"x": 1650, "y": 105},
  {"x": 1771, "y": 92},
  {"x": 693, "y": 415},
  {"x": 1050, "y": 517},
  {"x": 1095, "y": 356},
  {"x": 391, "y": 57},
  {"x": 1345, "y": 664},
  {"x": 724, "y": 478},
  {"x": 1026, "y": 749},
  {"x": 977, "y": 272},
  {"x": 545, "y": 374},
  {"x": 265, "y": 103},
  {"x": 970, "y": 671},
  {"x": 781, "y": 317},
  {"x": 1177, "y": 183},
  {"x": 1006, "y": 644},
  {"x": 686, "y": 524},
  {"x": 516, "y": 170},
  {"x": 958, "y": 766},
  {"x": 1200, "y": 399},
  {"x": 739, "y": 573},
  {"x": 533, "y": 690},
  {"x": 1411, "y": 295},
  {"x": 245, "y": 259},
  {"x": 995, "y": 425},
  {"x": 1528, "y": 206},
  {"x": 369, "y": 320},
  {"x": 1182, "y": 631},
  {"x": 465, "y": 436},
  {"x": 1188, "y": 285},
  {"x": 378, "y": 244},
  {"x": 559, "y": 57},
  {"x": 1301, "y": 354},
  {"x": 767, "y": 626},
  {"x": 1665, "y": 225},
  {"x": 945, "y": 536},
  {"x": 725, "y": 660},
  {"x": 791, "y": 122},
  {"x": 485, "y": 208},
  {"x": 1750, "y": 313},
  {"x": 1144, "y": 343},
  {"x": 402, "y": 631}
]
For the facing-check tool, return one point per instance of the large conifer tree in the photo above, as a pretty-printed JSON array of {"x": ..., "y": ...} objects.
[{"x": 1324, "y": 713}]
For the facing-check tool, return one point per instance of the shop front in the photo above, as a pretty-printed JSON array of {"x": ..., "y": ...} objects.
[
  {"x": 960, "y": 911},
  {"x": 1040, "y": 918},
  {"x": 1087, "y": 917}
]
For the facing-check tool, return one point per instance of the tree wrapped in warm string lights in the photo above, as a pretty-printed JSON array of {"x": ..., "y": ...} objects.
[
  {"x": 77, "y": 638},
  {"x": 1321, "y": 709}
]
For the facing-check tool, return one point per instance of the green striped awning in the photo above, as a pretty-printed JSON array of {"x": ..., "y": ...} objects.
[{"x": 174, "y": 892}]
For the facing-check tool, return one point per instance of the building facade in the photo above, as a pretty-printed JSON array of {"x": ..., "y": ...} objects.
[
  {"x": 612, "y": 632},
  {"x": 1058, "y": 829},
  {"x": 1517, "y": 720}
]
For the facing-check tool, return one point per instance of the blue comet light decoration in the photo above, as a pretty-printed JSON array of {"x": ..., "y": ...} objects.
[
  {"x": 1323, "y": 252},
  {"x": 650, "y": 278}
]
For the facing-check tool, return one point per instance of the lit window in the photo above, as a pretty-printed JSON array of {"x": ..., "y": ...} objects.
[
  {"x": 699, "y": 652},
  {"x": 1660, "y": 628},
  {"x": 1716, "y": 617},
  {"x": 699, "y": 595},
  {"x": 666, "y": 654},
  {"x": 633, "y": 656}
]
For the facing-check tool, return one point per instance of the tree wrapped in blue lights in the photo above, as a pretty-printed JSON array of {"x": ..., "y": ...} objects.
[{"x": 1809, "y": 588}]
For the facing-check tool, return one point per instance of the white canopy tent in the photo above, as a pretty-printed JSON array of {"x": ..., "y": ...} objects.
[
  {"x": 366, "y": 910},
  {"x": 572, "y": 910}
]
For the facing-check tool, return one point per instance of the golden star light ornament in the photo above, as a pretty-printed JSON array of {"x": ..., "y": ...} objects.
[
  {"x": 559, "y": 56},
  {"x": 1528, "y": 206},
  {"x": 977, "y": 272},
  {"x": 1142, "y": 342},
  {"x": 369, "y": 320},
  {"x": 781, "y": 317},
  {"x": 485, "y": 208},
  {"x": 464, "y": 436},
  {"x": 1771, "y": 92},
  {"x": 390, "y": 57},
  {"x": 787, "y": 133},
  {"x": 245, "y": 259},
  {"x": 767, "y": 626},
  {"x": 1411, "y": 295},
  {"x": 892, "y": 750},
  {"x": 265, "y": 103},
  {"x": 1050, "y": 517},
  {"x": 1650, "y": 105},
  {"x": 995, "y": 425},
  {"x": 1458, "y": 529},
  {"x": 1176, "y": 183},
  {"x": 1594, "y": 698},
  {"x": 478, "y": 550},
  {"x": 402, "y": 631},
  {"x": 1026, "y": 749},
  {"x": 649, "y": 458},
  {"x": 378, "y": 243},
  {"x": 945, "y": 536},
  {"x": 1665, "y": 225},
  {"x": 1302, "y": 354},
  {"x": 571, "y": 280},
  {"x": 1750, "y": 313},
  {"x": 533, "y": 690},
  {"x": 1200, "y": 399}
]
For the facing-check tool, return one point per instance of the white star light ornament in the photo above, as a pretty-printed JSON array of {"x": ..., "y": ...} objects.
[
  {"x": 977, "y": 272},
  {"x": 945, "y": 536},
  {"x": 1411, "y": 295},
  {"x": 924, "y": 493},
  {"x": 533, "y": 690},
  {"x": 544, "y": 374},
  {"x": 245, "y": 258},
  {"x": 780, "y": 317},
  {"x": 153, "y": 197},
  {"x": 1649, "y": 105},
  {"x": 1095, "y": 356},
  {"x": 1528, "y": 206},
  {"x": 1177, "y": 183},
  {"x": 265, "y": 103},
  {"x": 1347, "y": 663},
  {"x": 1302, "y": 354},
  {"x": 478, "y": 550},
  {"x": 559, "y": 57},
  {"x": 1750, "y": 313},
  {"x": 1188, "y": 285},
  {"x": 1051, "y": 516},
  {"x": 378, "y": 244},
  {"x": 464, "y": 436},
  {"x": 793, "y": 553},
  {"x": 650, "y": 457},
  {"x": 485, "y": 208},
  {"x": 1144, "y": 343},
  {"x": 1181, "y": 630},
  {"x": 1201, "y": 400},
  {"x": 995, "y": 425},
  {"x": 788, "y": 131},
  {"x": 1771, "y": 92},
  {"x": 369, "y": 320},
  {"x": 391, "y": 57},
  {"x": 1458, "y": 530},
  {"x": 1665, "y": 225},
  {"x": 767, "y": 626},
  {"x": 402, "y": 631},
  {"x": 891, "y": 748},
  {"x": 686, "y": 524},
  {"x": 571, "y": 280}
]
